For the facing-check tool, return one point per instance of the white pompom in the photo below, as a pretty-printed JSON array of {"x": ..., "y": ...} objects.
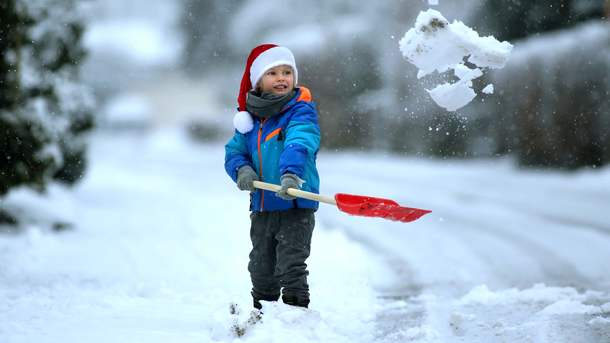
[{"x": 243, "y": 122}]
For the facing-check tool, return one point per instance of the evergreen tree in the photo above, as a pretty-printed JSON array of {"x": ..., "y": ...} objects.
[{"x": 44, "y": 111}]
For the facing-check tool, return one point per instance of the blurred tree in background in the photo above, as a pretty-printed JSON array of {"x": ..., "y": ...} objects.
[
  {"x": 554, "y": 93},
  {"x": 203, "y": 24},
  {"x": 516, "y": 19},
  {"x": 44, "y": 111},
  {"x": 336, "y": 88}
]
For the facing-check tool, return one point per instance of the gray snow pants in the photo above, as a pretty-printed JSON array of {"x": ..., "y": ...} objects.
[{"x": 281, "y": 242}]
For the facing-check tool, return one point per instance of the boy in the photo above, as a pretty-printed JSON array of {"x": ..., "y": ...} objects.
[{"x": 276, "y": 140}]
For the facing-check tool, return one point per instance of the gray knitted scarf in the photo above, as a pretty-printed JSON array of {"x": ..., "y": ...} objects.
[{"x": 266, "y": 105}]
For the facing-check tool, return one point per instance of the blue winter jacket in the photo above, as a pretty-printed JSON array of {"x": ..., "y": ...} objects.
[{"x": 285, "y": 143}]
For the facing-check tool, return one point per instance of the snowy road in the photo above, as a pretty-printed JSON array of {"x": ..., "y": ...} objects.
[
  {"x": 161, "y": 241},
  {"x": 538, "y": 240}
]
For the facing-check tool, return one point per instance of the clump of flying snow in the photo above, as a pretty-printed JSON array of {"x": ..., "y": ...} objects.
[
  {"x": 434, "y": 44},
  {"x": 489, "y": 89},
  {"x": 453, "y": 96}
]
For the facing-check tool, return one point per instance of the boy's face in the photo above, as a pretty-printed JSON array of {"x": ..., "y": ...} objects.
[{"x": 277, "y": 80}]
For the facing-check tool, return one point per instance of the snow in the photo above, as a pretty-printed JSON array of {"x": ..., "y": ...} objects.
[
  {"x": 489, "y": 89},
  {"x": 434, "y": 44},
  {"x": 158, "y": 252},
  {"x": 495, "y": 231},
  {"x": 453, "y": 96},
  {"x": 160, "y": 245},
  {"x": 52, "y": 151},
  {"x": 570, "y": 306},
  {"x": 558, "y": 300},
  {"x": 465, "y": 73}
]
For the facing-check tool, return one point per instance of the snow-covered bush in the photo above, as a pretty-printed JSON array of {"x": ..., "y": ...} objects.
[
  {"x": 514, "y": 19},
  {"x": 556, "y": 109},
  {"x": 44, "y": 110}
]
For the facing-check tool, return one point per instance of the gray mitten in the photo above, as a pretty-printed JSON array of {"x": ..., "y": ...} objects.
[
  {"x": 245, "y": 177},
  {"x": 289, "y": 181}
]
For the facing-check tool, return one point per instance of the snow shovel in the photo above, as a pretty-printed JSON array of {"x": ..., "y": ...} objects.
[{"x": 357, "y": 205}]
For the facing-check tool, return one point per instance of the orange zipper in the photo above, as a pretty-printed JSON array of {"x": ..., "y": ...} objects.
[{"x": 260, "y": 161}]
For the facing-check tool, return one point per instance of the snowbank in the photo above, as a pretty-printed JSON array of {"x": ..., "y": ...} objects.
[{"x": 537, "y": 314}]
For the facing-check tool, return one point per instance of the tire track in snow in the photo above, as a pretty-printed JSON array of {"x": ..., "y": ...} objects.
[
  {"x": 489, "y": 191},
  {"x": 557, "y": 270},
  {"x": 520, "y": 208}
]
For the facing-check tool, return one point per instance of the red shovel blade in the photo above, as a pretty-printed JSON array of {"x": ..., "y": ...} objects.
[{"x": 366, "y": 206}]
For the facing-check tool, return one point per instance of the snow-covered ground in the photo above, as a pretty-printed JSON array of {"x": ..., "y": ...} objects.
[{"x": 160, "y": 244}]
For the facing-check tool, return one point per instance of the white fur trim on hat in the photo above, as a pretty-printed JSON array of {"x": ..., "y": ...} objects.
[
  {"x": 243, "y": 122},
  {"x": 270, "y": 58}
]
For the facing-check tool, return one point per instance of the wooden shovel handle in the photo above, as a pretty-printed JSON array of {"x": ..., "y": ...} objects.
[{"x": 296, "y": 193}]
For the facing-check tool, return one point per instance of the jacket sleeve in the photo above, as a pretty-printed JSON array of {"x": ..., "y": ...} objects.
[
  {"x": 302, "y": 140},
  {"x": 236, "y": 155}
]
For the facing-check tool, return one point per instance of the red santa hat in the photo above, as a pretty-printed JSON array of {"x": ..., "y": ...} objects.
[{"x": 261, "y": 59}]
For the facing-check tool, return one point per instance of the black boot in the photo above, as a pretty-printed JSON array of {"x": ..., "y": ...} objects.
[
  {"x": 295, "y": 300},
  {"x": 257, "y": 297}
]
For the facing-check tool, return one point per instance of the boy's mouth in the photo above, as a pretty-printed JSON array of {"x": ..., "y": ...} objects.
[{"x": 280, "y": 87}]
